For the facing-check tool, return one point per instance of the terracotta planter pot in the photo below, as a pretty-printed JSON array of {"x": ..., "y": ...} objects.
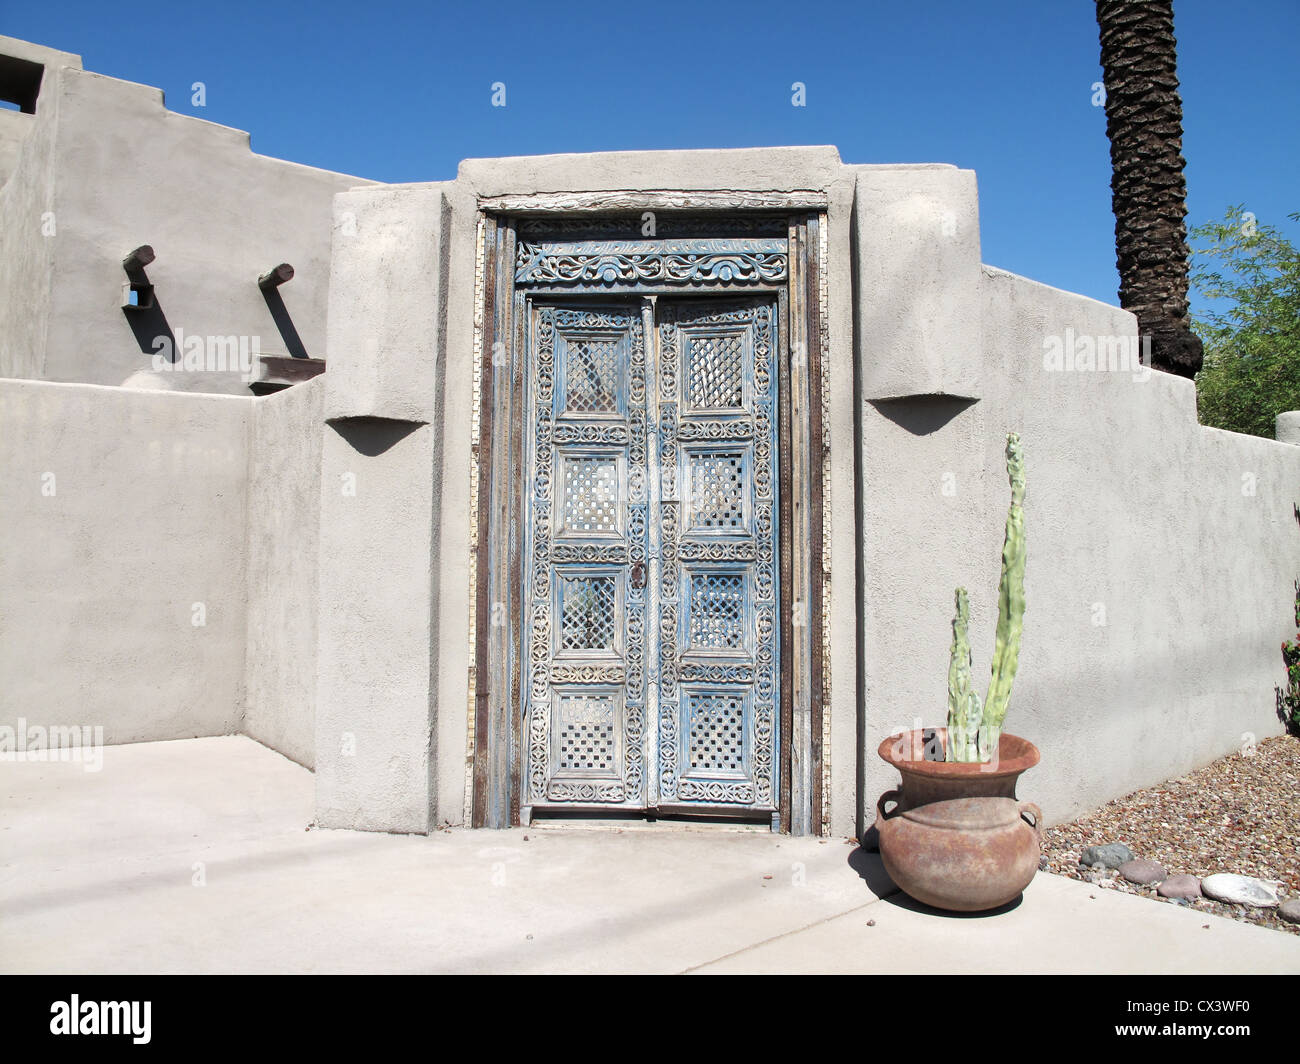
[
  {"x": 940, "y": 781},
  {"x": 956, "y": 837},
  {"x": 966, "y": 854}
]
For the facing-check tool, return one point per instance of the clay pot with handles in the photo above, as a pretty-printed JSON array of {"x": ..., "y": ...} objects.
[
  {"x": 954, "y": 835},
  {"x": 964, "y": 854}
]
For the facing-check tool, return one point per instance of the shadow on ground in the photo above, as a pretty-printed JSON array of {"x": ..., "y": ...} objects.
[{"x": 869, "y": 867}]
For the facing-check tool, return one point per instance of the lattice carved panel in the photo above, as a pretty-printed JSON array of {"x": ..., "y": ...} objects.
[
  {"x": 588, "y": 613},
  {"x": 592, "y": 368},
  {"x": 716, "y": 733},
  {"x": 715, "y": 370},
  {"x": 717, "y": 442},
  {"x": 720, "y": 487},
  {"x": 717, "y": 611},
  {"x": 584, "y": 721},
  {"x": 591, "y": 495}
]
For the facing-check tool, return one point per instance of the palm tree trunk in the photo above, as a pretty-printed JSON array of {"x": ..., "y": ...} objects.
[{"x": 1144, "y": 121}]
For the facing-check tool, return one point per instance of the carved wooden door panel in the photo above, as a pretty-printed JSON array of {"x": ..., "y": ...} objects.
[
  {"x": 586, "y": 538},
  {"x": 650, "y": 638},
  {"x": 716, "y": 535}
]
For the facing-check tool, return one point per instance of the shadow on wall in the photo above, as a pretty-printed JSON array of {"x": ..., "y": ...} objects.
[
  {"x": 284, "y": 323},
  {"x": 372, "y": 436},
  {"x": 922, "y": 414},
  {"x": 149, "y": 324},
  {"x": 146, "y": 317}
]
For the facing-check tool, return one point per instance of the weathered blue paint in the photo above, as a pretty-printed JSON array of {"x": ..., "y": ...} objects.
[
  {"x": 586, "y": 512},
  {"x": 669, "y": 262},
  {"x": 651, "y": 631},
  {"x": 718, "y": 685}
]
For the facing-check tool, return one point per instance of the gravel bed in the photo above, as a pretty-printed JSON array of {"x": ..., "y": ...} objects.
[{"x": 1240, "y": 814}]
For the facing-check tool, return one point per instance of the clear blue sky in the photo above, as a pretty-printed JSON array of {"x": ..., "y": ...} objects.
[{"x": 402, "y": 92}]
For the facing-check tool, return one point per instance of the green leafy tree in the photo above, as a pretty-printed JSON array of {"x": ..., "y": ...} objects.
[{"x": 1247, "y": 276}]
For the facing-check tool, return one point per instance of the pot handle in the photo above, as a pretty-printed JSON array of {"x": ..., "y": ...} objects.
[
  {"x": 1029, "y": 810},
  {"x": 895, "y": 796}
]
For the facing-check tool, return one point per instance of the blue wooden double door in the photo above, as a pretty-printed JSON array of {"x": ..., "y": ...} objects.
[{"x": 651, "y": 623}]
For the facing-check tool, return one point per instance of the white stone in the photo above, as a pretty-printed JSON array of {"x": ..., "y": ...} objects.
[{"x": 1239, "y": 890}]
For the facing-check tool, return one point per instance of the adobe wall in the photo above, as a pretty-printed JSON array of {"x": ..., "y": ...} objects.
[
  {"x": 1161, "y": 557},
  {"x": 103, "y": 168},
  {"x": 283, "y": 569},
  {"x": 27, "y": 182},
  {"x": 158, "y": 570},
  {"x": 124, "y": 560}
]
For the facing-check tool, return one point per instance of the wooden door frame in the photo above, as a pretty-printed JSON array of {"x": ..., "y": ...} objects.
[{"x": 497, "y": 749}]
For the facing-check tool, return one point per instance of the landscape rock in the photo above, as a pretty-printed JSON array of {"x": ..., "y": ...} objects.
[
  {"x": 1111, "y": 855},
  {"x": 1239, "y": 890},
  {"x": 1143, "y": 873},
  {"x": 1180, "y": 888},
  {"x": 1289, "y": 910}
]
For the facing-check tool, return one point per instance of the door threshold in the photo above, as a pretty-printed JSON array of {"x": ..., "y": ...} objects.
[{"x": 603, "y": 821}]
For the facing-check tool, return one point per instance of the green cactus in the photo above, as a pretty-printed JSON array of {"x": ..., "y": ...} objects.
[
  {"x": 1011, "y": 597},
  {"x": 964, "y": 709},
  {"x": 973, "y": 732}
]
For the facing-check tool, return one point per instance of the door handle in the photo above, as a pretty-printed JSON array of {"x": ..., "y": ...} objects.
[{"x": 638, "y": 575}]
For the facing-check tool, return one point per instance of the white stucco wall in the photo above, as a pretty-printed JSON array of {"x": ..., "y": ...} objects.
[
  {"x": 105, "y": 168},
  {"x": 27, "y": 262},
  {"x": 390, "y": 753},
  {"x": 160, "y": 501},
  {"x": 27, "y": 148},
  {"x": 122, "y": 510},
  {"x": 283, "y": 542},
  {"x": 15, "y": 127},
  {"x": 1161, "y": 557}
]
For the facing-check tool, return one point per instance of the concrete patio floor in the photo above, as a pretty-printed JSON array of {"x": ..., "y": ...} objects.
[{"x": 98, "y": 874}]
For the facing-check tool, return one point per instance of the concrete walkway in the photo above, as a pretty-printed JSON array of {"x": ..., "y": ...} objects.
[{"x": 100, "y": 873}]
